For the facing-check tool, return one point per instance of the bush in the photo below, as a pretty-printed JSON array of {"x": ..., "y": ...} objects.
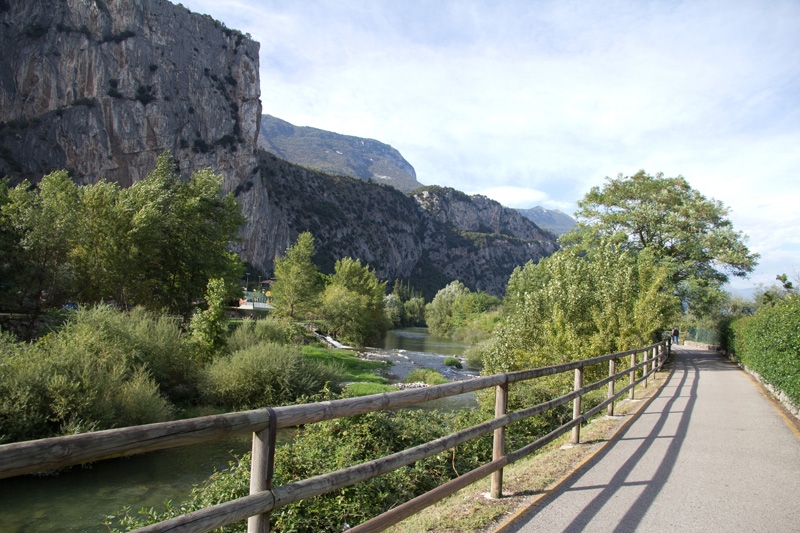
[
  {"x": 84, "y": 377},
  {"x": 453, "y": 362},
  {"x": 265, "y": 374},
  {"x": 425, "y": 375},
  {"x": 268, "y": 329},
  {"x": 769, "y": 344}
]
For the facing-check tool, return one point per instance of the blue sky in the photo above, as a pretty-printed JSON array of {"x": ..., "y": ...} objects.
[{"x": 534, "y": 102}]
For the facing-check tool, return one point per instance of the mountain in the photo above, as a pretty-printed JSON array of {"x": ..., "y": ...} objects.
[
  {"x": 333, "y": 153},
  {"x": 549, "y": 219},
  {"x": 431, "y": 237},
  {"x": 103, "y": 88}
]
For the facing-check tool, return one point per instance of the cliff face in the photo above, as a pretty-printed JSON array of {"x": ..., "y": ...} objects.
[
  {"x": 103, "y": 87},
  {"x": 366, "y": 159},
  {"x": 478, "y": 214},
  {"x": 395, "y": 233}
]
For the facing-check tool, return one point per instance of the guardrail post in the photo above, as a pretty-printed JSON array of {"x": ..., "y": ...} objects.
[
  {"x": 499, "y": 444},
  {"x": 633, "y": 375},
  {"x": 611, "y": 370},
  {"x": 261, "y": 469},
  {"x": 656, "y": 354},
  {"x": 576, "y": 406}
]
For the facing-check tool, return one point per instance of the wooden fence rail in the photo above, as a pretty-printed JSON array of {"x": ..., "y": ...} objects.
[{"x": 46, "y": 454}]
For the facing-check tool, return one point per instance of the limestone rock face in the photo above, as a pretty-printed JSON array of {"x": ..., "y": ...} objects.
[
  {"x": 103, "y": 87},
  {"x": 478, "y": 213}
]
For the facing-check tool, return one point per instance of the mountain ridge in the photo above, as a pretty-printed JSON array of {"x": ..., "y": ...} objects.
[{"x": 331, "y": 152}]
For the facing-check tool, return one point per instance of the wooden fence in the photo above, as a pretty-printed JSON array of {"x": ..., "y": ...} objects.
[{"x": 46, "y": 454}]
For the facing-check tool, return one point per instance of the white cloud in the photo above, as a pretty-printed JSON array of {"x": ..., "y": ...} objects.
[{"x": 537, "y": 102}]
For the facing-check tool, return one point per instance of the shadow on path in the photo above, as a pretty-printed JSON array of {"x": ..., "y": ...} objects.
[{"x": 682, "y": 384}]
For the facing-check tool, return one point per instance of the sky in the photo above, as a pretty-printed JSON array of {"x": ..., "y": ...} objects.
[{"x": 535, "y": 102}]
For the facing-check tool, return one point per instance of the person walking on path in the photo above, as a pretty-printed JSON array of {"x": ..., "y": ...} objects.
[{"x": 675, "y": 334}]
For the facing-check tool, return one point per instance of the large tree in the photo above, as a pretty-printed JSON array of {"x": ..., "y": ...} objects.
[{"x": 683, "y": 229}]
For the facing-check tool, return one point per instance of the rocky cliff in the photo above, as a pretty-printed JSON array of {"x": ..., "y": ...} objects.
[
  {"x": 397, "y": 234},
  {"x": 366, "y": 159},
  {"x": 103, "y": 87}
]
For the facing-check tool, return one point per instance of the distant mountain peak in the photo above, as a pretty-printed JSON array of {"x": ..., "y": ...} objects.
[
  {"x": 549, "y": 219},
  {"x": 334, "y": 153}
]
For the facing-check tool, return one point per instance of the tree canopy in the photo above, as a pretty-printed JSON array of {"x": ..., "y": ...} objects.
[
  {"x": 156, "y": 244},
  {"x": 691, "y": 234},
  {"x": 573, "y": 305},
  {"x": 297, "y": 282}
]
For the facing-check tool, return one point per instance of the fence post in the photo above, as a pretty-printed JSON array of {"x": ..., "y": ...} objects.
[
  {"x": 656, "y": 353},
  {"x": 261, "y": 469},
  {"x": 633, "y": 375},
  {"x": 499, "y": 444},
  {"x": 576, "y": 406},
  {"x": 611, "y": 369}
]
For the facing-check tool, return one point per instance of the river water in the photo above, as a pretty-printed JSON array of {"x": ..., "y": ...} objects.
[{"x": 80, "y": 498}]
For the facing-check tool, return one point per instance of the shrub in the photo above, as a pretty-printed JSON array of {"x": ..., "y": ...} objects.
[
  {"x": 769, "y": 344},
  {"x": 268, "y": 329},
  {"x": 265, "y": 374},
  {"x": 425, "y": 375},
  {"x": 453, "y": 362},
  {"x": 81, "y": 378}
]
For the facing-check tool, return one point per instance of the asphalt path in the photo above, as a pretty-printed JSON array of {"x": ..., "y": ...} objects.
[{"x": 710, "y": 452}]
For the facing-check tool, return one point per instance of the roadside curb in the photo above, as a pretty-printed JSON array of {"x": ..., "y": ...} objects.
[{"x": 522, "y": 513}]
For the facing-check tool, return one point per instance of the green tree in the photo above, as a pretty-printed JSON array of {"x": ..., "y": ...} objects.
[
  {"x": 102, "y": 252},
  {"x": 209, "y": 327},
  {"x": 179, "y": 238},
  {"x": 575, "y": 305},
  {"x": 39, "y": 226},
  {"x": 297, "y": 283},
  {"x": 680, "y": 226},
  {"x": 439, "y": 312},
  {"x": 353, "y": 303}
]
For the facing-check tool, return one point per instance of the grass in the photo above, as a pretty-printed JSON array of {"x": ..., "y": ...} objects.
[
  {"x": 469, "y": 510},
  {"x": 365, "y": 389},
  {"x": 425, "y": 375},
  {"x": 357, "y": 369}
]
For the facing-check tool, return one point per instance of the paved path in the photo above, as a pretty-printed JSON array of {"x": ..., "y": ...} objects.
[{"x": 709, "y": 453}]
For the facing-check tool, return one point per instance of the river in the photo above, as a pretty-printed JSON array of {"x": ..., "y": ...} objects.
[{"x": 79, "y": 498}]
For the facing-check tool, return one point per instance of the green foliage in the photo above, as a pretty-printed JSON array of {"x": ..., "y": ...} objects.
[
  {"x": 267, "y": 329},
  {"x": 769, "y": 344},
  {"x": 458, "y": 313},
  {"x": 265, "y": 374},
  {"x": 92, "y": 374},
  {"x": 329, "y": 446},
  {"x": 353, "y": 303},
  {"x": 453, "y": 362},
  {"x": 297, "y": 285},
  {"x": 680, "y": 227},
  {"x": 438, "y": 313},
  {"x": 425, "y": 375},
  {"x": 209, "y": 328},
  {"x": 155, "y": 244},
  {"x": 575, "y": 305}
]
